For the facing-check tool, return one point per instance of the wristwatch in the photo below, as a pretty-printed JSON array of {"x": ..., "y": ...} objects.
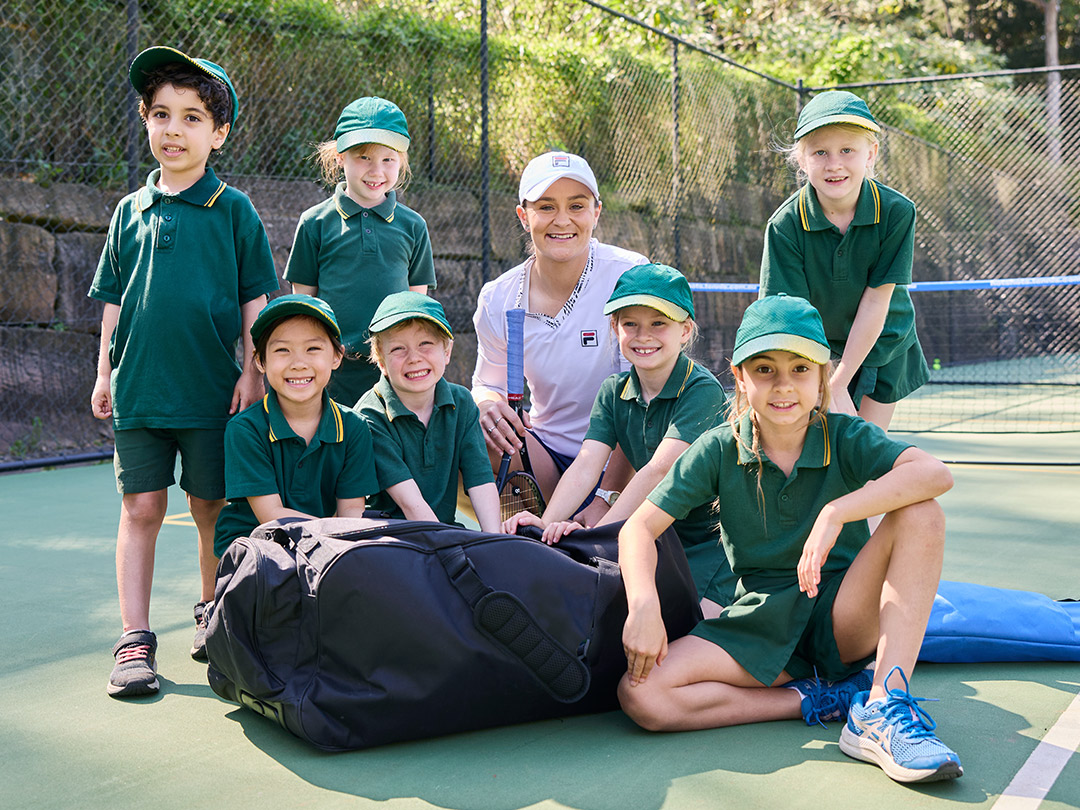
[{"x": 609, "y": 496}]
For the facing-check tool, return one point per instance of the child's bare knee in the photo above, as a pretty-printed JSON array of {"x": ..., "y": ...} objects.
[
  {"x": 145, "y": 507},
  {"x": 203, "y": 508},
  {"x": 925, "y": 516},
  {"x": 641, "y": 705}
]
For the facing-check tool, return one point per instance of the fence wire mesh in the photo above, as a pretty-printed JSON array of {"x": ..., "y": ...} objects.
[{"x": 682, "y": 142}]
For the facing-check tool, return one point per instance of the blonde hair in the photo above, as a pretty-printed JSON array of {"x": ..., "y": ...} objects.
[
  {"x": 429, "y": 327},
  {"x": 326, "y": 156},
  {"x": 739, "y": 408},
  {"x": 794, "y": 153}
]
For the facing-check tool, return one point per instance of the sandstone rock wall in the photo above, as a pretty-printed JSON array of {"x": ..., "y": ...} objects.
[{"x": 51, "y": 238}]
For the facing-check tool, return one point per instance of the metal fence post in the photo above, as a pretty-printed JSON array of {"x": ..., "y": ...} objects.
[
  {"x": 675, "y": 152},
  {"x": 134, "y": 130},
  {"x": 485, "y": 154}
]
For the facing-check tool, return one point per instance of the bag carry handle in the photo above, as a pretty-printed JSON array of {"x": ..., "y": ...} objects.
[{"x": 504, "y": 619}]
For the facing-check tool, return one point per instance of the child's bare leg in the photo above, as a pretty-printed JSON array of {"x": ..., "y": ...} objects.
[
  {"x": 141, "y": 515},
  {"x": 205, "y": 514},
  {"x": 884, "y": 602},
  {"x": 710, "y": 609},
  {"x": 700, "y": 686},
  {"x": 880, "y": 413}
]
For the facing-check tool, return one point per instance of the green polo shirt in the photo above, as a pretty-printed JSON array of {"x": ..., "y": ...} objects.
[
  {"x": 764, "y": 529},
  {"x": 180, "y": 266},
  {"x": 691, "y": 402},
  {"x": 806, "y": 255},
  {"x": 263, "y": 455},
  {"x": 764, "y": 523},
  {"x": 357, "y": 256},
  {"x": 432, "y": 455}
]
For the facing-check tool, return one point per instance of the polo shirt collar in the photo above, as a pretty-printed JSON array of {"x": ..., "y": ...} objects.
[
  {"x": 673, "y": 388},
  {"x": 867, "y": 208},
  {"x": 393, "y": 406},
  {"x": 330, "y": 430},
  {"x": 203, "y": 193},
  {"x": 348, "y": 207},
  {"x": 816, "y": 452}
]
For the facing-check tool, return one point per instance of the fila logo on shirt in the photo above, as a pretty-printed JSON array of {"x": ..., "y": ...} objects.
[{"x": 588, "y": 338}]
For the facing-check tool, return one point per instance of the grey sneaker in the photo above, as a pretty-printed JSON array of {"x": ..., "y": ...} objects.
[
  {"x": 135, "y": 672},
  {"x": 198, "y": 646}
]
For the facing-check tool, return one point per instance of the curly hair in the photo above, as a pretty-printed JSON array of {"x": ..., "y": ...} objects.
[{"x": 212, "y": 92}]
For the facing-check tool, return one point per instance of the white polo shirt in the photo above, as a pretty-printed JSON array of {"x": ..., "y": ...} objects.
[{"x": 566, "y": 357}]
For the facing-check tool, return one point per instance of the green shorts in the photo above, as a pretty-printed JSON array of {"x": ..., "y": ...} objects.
[
  {"x": 893, "y": 381},
  {"x": 145, "y": 460},
  {"x": 816, "y": 652},
  {"x": 772, "y": 627}
]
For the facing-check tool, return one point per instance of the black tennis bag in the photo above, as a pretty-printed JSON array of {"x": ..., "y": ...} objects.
[{"x": 352, "y": 632}]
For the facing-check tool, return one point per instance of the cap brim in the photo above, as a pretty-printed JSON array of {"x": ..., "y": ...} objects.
[
  {"x": 781, "y": 342},
  {"x": 395, "y": 318},
  {"x": 386, "y": 137},
  {"x": 537, "y": 191},
  {"x": 662, "y": 305},
  {"x": 818, "y": 123}
]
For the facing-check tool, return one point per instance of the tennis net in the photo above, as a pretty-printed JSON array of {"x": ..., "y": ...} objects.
[{"x": 1004, "y": 354}]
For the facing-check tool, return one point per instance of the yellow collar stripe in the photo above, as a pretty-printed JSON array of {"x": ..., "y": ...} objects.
[
  {"x": 266, "y": 409},
  {"x": 215, "y": 195},
  {"x": 689, "y": 369},
  {"x": 338, "y": 429},
  {"x": 827, "y": 456}
]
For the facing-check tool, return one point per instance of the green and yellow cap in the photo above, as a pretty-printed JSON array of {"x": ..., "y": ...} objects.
[
  {"x": 781, "y": 323},
  {"x": 372, "y": 120},
  {"x": 663, "y": 288},
  {"x": 835, "y": 107},
  {"x": 153, "y": 58},
  {"x": 407, "y": 306},
  {"x": 285, "y": 306}
]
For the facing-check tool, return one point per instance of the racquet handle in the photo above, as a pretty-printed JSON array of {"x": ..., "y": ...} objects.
[{"x": 515, "y": 354}]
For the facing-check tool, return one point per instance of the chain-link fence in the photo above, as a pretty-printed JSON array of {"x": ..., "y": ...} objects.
[{"x": 681, "y": 140}]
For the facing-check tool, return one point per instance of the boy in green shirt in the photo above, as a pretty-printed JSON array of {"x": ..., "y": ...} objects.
[
  {"x": 426, "y": 430},
  {"x": 297, "y": 453},
  {"x": 185, "y": 269}
]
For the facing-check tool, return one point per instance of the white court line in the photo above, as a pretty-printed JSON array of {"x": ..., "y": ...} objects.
[{"x": 1036, "y": 776}]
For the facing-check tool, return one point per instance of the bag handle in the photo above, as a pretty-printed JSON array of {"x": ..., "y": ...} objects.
[{"x": 504, "y": 619}]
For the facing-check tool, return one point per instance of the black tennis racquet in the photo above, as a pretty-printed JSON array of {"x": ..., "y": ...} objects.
[{"x": 518, "y": 490}]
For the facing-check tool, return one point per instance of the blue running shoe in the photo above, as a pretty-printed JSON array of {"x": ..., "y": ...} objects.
[
  {"x": 829, "y": 700},
  {"x": 898, "y": 736}
]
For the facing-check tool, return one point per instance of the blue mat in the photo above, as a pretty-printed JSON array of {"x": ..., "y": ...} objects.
[{"x": 975, "y": 623}]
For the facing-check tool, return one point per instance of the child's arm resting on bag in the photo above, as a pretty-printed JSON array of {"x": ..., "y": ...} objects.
[{"x": 644, "y": 635}]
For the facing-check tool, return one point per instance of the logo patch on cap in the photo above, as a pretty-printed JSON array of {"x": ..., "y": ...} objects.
[
  {"x": 560, "y": 161},
  {"x": 588, "y": 338}
]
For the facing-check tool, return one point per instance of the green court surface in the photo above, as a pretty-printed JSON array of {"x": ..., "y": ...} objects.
[{"x": 65, "y": 743}]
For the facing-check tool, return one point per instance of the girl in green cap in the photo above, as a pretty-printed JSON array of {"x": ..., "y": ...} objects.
[
  {"x": 845, "y": 242},
  {"x": 362, "y": 244},
  {"x": 818, "y": 597},
  {"x": 652, "y": 412}
]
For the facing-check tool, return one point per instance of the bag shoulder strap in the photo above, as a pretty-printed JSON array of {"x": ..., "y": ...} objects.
[{"x": 504, "y": 619}]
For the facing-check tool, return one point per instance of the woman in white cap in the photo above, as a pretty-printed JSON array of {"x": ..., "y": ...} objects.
[{"x": 563, "y": 287}]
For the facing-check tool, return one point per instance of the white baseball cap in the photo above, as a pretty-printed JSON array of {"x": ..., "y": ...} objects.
[{"x": 544, "y": 170}]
